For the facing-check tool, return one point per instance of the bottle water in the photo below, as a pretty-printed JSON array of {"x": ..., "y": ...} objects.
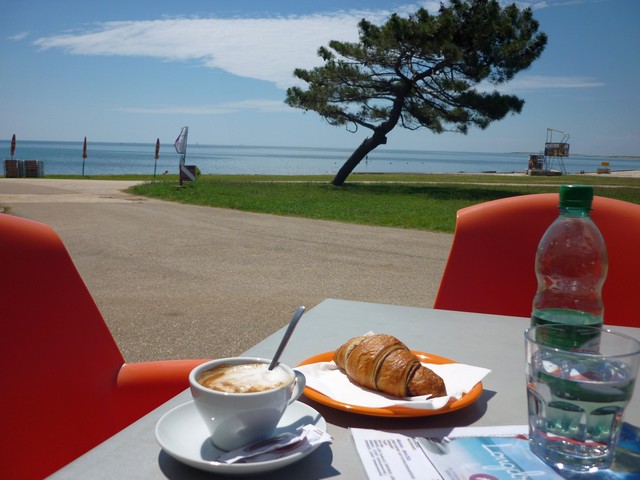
[{"x": 571, "y": 267}]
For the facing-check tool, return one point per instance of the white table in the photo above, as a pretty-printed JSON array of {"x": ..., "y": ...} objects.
[{"x": 491, "y": 341}]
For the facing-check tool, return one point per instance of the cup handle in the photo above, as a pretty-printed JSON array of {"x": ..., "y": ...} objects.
[{"x": 298, "y": 386}]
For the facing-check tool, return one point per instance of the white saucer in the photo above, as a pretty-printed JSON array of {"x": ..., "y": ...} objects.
[{"x": 183, "y": 435}]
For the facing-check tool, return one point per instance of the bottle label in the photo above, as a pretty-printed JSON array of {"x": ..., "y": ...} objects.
[{"x": 577, "y": 332}]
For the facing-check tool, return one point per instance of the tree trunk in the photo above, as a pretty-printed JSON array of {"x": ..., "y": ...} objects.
[{"x": 368, "y": 145}]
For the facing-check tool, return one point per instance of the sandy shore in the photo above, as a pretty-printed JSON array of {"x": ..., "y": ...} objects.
[{"x": 621, "y": 173}]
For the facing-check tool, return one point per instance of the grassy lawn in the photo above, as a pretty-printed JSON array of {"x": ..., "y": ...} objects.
[{"x": 424, "y": 202}]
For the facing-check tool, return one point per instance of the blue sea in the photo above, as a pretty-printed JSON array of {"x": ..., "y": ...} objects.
[{"x": 65, "y": 158}]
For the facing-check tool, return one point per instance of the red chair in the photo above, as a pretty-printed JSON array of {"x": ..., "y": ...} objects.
[
  {"x": 490, "y": 268},
  {"x": 65, "y": 384}
]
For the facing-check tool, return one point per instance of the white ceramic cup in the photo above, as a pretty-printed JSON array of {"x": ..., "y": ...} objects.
[{"x": 239, "y": 419}]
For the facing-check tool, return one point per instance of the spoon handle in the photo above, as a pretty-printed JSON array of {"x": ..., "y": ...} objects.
[{"x": 287, "y": 336}]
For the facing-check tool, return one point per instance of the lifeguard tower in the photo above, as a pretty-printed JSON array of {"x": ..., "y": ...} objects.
[
  {"x": 551, "y": 163},
  {"x": 555, "y": 152}
]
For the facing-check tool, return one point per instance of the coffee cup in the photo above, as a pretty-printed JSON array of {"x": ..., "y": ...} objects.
[{"x": 240, "y": 400}]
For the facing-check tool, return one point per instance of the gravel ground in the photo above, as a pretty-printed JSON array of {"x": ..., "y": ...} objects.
[{"x": 181, "y": 281}]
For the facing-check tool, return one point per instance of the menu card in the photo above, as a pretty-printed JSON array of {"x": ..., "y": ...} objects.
[{"x": 468, "y": 453}]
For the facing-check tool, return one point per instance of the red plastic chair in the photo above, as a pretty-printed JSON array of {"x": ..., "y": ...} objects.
[
  {"x": 65, "y": 384},
  {"x": 490, "y": 268}
]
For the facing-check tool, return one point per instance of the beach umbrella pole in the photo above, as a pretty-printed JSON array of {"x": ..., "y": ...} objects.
[
  {"x": 157, "y": 155},
  {"x": 84, "y": 154}
]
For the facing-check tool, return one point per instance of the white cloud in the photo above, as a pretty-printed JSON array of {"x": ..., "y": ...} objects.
[
  {"x": 224, "y": 108},
  {"x": 262, "y": 48},
  {"x": 265, "y": 49},
  {"x": 541, "y": 82},
  {"x": 539, "y": 4},
  {"x": 18, "y": 36},
  {"x": 177, "y": 109}
]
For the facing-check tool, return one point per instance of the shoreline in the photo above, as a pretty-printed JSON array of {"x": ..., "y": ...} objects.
[
  {"x": 132, "y": 176},
  {"x": 612, "y": 173},
  {"x": 119, "y": 159}
]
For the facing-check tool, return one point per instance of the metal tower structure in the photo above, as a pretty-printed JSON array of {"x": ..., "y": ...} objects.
[{"x": 554, "y": 152}]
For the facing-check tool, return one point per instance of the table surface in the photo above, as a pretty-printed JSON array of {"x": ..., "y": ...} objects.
[{"x": 491, "y": 341}]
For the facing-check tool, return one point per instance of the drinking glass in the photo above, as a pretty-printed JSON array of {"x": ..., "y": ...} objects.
[{"x": 577, "y": 396}]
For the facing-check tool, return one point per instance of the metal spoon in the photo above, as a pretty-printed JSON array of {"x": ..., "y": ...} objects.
[{"x": 287, "y": 336}]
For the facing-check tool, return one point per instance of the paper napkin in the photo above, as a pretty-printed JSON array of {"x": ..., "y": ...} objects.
[
  {"x": 301, "y": 440},
  {"x": 326, "y": 378}
]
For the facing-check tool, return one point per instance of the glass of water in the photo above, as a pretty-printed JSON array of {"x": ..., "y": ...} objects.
[{"x": 577, "y": 397}]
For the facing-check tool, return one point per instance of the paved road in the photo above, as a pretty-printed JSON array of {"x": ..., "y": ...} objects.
[{"x": 178, "y": 281}]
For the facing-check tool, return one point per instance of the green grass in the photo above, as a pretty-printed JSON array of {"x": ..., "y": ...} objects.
[{"x": 423, "y": 202}]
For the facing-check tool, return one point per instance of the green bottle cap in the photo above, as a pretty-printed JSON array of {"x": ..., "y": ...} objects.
[{"x": 576, "y": 196}]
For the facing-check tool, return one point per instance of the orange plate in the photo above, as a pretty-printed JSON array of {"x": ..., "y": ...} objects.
[{"x": 466, "y": 399}]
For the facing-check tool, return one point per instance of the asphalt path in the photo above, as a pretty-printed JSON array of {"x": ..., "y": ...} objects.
[{"x": 182, "y": 281}]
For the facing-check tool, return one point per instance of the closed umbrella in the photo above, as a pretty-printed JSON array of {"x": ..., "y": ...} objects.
[
  {"x": 155, "y": 165},
  {"x": 13, "y": 145},
  {"x": 84, "y": 154}
]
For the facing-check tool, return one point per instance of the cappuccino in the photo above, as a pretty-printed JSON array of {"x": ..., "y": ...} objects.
[{"x": 244, "y": 378}]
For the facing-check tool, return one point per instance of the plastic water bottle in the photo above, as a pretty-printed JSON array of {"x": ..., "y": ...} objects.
[{"x": 571, "y": 267}]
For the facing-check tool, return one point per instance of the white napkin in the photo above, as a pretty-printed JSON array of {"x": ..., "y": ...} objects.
[
  {"x": 326, "y": 378},
  {"x": 301, "y": 440}
]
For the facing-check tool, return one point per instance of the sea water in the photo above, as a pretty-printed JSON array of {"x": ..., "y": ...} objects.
[
  {"x": 576, "y": 409},
  {"x": 65, "y": 158}
]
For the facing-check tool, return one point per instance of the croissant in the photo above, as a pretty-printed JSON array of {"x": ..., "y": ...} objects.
[{"x": 383, "y": 363}]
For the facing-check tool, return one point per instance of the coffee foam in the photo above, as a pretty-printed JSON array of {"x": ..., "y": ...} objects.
[{"x": 244, "y": 378}]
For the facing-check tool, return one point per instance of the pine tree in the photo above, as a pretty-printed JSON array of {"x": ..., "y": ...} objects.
[{"x": 422, "y": 71}]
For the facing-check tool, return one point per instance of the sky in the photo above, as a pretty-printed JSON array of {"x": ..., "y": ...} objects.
[{"x": 137, "y": 70}]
